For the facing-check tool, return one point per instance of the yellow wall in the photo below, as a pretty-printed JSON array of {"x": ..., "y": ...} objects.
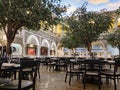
[{"x": 118, "y": 23}]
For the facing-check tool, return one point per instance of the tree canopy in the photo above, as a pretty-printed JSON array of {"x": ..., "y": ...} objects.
[
  {"x": 70, "y": 41},
  {"x": 88, "y": 25},
  {"x": 114, "y": 39},
  {"x": 32, "y": 14}
]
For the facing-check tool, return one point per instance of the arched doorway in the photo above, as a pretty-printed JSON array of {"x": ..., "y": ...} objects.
[
  {"x": 53, "y": 49},
  {"x": 32, "y": 46},
  {"x": 45, "y": 48}
]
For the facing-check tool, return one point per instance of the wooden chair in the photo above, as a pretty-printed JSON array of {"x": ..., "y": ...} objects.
[
  {"x": 73, "y": 71},
  {"x": 62, "y": 63},
  {"x": 92, "y": 72},
  {"x": 51, "y": 63},
  {"x": 2, "y": 80},
  {"x": 27, "y": 72},
  {"x": 22, "y": 84},
  {"x": 38, "y": 68},
  {"x": 0, "y": 64},
  {"x": 113, "y": 73}
]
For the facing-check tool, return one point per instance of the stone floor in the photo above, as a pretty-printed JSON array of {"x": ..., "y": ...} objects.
[{"x": 54, "y": 80}]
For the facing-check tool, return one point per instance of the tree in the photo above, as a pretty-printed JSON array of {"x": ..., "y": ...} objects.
[
  {"x": 32, "y": 14},
  {"x": 88, "y": 25},
  {"x": 114, "y": 39},
  {"x": 70, "y": 41}
]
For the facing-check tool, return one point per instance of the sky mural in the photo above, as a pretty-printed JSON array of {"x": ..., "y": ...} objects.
[{"x": 93, "y": 5}]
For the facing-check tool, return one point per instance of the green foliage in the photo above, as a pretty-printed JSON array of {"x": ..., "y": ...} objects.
[
  {"x": 114, "y": 38},
  {"x": 118, "y": 11},
  {"x": 88, "y": 25},
  {"x": 32, "y": 14},
  {"x": 70, "y": 41},
  {"x": 29, "y": 13}
]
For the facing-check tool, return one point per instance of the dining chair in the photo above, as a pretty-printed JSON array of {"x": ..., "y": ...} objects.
[
  {"x": 50, "y": 63},
  {"x": 73, "y": 69},
  {"x": 92, "y": 72},
  {"x": 20, "y": 84},
  {"x": 0, "y": 64},
  {"x": 113, "y": 73},
  {"x": 27, "y": 72},
  {"x": 62, "y": 63},
  {"x": 2, "y": 80},
  {"x": 38, "y": 68}
]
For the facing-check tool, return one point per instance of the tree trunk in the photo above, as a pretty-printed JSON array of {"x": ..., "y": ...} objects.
[
  {"x": 89, "y": 48},
  {"x": 74, "y": 52},
  {"x": 8, "y": 51},
  {"x": 8, "y": 47}
]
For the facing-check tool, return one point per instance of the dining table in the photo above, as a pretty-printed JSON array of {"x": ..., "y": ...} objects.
[{"x": 8, "y": 68}]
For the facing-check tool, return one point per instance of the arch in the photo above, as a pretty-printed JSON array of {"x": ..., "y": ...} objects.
[
  {"x": 54, "y": 46},
  {"x": 53, "y": 49},
  {"x": 32, "y": 39},
  {"x": 45, "y": 43},
  {"x": 32, "y": 46},
  {"x": 99, "y": 43},
  {"x": 45, "y": 47},
  {"x": 100, "y": 49}
]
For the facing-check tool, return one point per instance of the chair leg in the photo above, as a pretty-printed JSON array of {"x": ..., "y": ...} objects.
[
  {"x": 99, "y": 82},
  {"x": 84, "y": 81},
  {"x": 115, "y": 87},
  {"x": 78, "y": 76},
  {"x": 53, "y": 67},
  {"x": 50, "y": 68},
  {"x": 66, "y": 76},
  {"x": 47, "y": 68},
  {"x": 39, "y": 73},
  {"x": 70, "y": 79}
]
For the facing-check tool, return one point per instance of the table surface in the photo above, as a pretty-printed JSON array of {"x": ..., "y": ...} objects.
[{"x": 10, "y": 66}]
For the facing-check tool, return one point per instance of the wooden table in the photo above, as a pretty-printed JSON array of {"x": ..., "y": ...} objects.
[{"x": 8, "y": 68}]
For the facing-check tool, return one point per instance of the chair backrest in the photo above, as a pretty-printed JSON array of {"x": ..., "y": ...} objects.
[
  {"x": 0, "y": 64},
  {"x": 32, "y": 64},
  {"x": 117, "y": 64},
  {"x": 26, "y": 58},
  {"x": 95, "y": 65},
  {"x": 73, "y": 65}
]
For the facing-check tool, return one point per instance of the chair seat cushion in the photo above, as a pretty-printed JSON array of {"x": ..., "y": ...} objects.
[
  {"x": 110, "y": 73},
  {"x": 92, "y": 73},
  {"x": 13, "y": 85},
  {"x": 75, "y": 71},
  {"x": 52, "y": 63},
  {"x": 27, "y": 70}
]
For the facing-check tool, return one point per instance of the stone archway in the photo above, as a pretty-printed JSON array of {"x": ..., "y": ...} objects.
[
  {"x": 53, "y": 49},
  {"x": 32, "y": 39},
  {"x": 32, "y": 46},
  {"x": 102, "y": 49},
  {"x": 45, "y": 48}
]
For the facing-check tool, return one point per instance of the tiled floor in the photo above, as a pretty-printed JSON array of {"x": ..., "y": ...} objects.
[{"x": 52, "y": 80}]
